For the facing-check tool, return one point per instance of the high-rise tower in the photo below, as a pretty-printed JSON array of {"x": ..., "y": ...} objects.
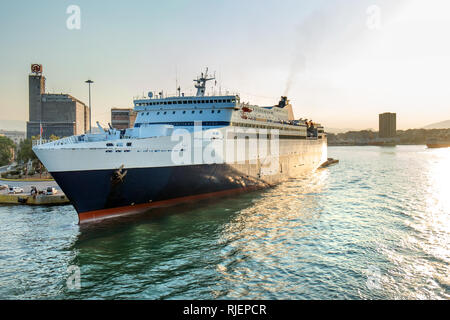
[
  {"x": 387, "y": 123},
  {"x": 59, "y": 114},
  {"x": 36, "y": 88}
]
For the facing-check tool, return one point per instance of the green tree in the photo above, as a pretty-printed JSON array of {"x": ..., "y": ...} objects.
[
  {"x": 25, "y": 151},
  {"x": 6, "y": 150},
  {"x": 53, "y": 138}
]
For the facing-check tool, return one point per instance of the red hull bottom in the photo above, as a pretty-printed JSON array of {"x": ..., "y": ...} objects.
[{"x": 96, "y": 215}]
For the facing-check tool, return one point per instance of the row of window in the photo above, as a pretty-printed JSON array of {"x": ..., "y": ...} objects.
[
  {"x": 174, "y": 112},
  {"x": 109, "y": 151},
  {"x": 188, "y": 123},
  {"x": 146, "y": 150},
  {"x": 236, "y": 124},
  {"x": 263, "y": 136},
  {"x": 119, "y": 144},
  {"x": 250, "y": 125},
  {"x": 181, "y": 150},
  {"x": 185, "y": 102}
]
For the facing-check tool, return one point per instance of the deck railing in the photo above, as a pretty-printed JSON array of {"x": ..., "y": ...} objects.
[
  {"x": 63, "y": 141},
  {"x": 38, "y": 142}
]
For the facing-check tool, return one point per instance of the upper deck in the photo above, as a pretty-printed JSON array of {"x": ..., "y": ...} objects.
[
  {"x": 160, "y": 116},
  {"x": 181, "y": 102}
]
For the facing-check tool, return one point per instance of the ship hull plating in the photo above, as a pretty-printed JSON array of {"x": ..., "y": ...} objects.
[{"x": 97, "y": 194}]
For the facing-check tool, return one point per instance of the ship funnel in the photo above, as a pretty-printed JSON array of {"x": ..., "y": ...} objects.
[{"x": 283, "y": 102}]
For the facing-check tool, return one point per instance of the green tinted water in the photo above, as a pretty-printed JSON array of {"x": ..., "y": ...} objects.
[{"x": 374, "y": 226}]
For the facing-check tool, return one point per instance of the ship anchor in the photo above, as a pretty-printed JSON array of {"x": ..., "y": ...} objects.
[{"x": 118, "y": 175}]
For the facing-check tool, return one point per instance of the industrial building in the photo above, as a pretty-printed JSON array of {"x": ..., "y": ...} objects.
[
  {"x": 122, "y": 118},
  {"x": 15, "y": 136},
  {"x": 61, "y": 115},
  {"x": 387, "y": 123}
]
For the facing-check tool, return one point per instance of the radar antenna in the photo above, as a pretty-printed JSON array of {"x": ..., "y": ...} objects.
[{"x": 201, "y": 83}]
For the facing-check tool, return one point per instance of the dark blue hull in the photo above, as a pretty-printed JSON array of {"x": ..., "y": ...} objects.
[{"x": 95, "y": 190}]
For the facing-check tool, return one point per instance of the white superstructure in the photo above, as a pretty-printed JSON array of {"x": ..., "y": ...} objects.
[{"x": 189, "y": 132}]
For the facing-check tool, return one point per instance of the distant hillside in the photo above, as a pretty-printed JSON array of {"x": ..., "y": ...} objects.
[
  {"x": 439, "y": 125},
  {"x": 344, "y": 130},
  {"x": 13, "y": 125},
  {"x": 337, "y": 130}
]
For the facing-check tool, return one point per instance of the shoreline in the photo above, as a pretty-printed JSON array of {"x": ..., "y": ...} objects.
[
  {"x": 373, "y": 145},
  {"x": 28, "y": 179}
]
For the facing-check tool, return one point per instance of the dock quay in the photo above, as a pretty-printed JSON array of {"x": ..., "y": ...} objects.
[
  {"x": 39, "y": 199},
  {"x": 26, "y": 197}
]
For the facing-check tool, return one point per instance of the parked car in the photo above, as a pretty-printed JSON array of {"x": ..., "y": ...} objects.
[
  {"x": 3, "y": 187},
  {"x": 51, "y": 190},
  {"x": 15, "y": 190}
]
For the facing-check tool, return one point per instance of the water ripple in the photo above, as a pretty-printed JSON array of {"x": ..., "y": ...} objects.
[{"x": 376, "y": 226}]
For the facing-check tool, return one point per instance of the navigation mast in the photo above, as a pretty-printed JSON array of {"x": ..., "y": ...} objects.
[{"x": 201, "y": 83}]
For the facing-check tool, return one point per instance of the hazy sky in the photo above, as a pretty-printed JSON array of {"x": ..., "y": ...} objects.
[{"x": 341, "y": 62}]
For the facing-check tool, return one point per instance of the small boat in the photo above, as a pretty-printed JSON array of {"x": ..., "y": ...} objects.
[
  {"x": 438, "y": 145},
  {"x": 434, "y": 143},
  {"x": 329, "y": 162}
]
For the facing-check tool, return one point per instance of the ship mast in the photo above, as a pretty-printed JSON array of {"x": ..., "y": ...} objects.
[{"x": 201, "y": 83}]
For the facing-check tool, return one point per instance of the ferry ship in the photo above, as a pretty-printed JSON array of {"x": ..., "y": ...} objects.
[
  {"x": 435, "y": 143},
  {"x": 183, "y": 148}
]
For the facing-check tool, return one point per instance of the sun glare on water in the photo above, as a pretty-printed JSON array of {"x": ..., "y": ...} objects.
[
  {"x": 436, "y": 220},
  {"x": 438, "y": 202}
]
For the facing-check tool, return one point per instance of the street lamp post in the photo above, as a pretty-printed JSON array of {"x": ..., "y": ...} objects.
[{"x": 90, "y": 120}]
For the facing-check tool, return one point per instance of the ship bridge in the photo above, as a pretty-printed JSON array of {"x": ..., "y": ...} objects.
[{"x": 212, "y": 111}]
